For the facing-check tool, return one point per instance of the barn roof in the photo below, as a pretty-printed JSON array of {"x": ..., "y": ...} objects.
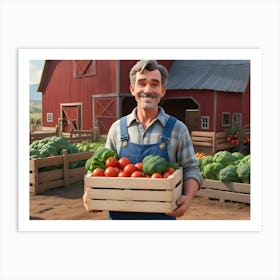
[{"x": 219, "y": 75}]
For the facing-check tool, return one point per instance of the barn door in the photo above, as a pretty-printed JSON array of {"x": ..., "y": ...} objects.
[
  {"x": 104, "y": 112},
  {"x": 71, "y": 115}
]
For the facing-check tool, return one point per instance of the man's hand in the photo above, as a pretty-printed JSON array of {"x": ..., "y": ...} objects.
[
  {"x": 86, "y": 206},
  {"x": 190, "y": 187}
]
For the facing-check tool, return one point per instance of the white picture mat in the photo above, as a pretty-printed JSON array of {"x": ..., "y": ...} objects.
[
  {"x": 254, "y": 55},
  {"x": 140, "y": 255}
]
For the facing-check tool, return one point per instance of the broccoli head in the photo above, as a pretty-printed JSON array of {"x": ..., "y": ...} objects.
[
  {"x": 243, "y": 172},
  {"x": 211, "y": 170},
  {"x": 224, "y": 157},
  {"x": 228, "y": 174}
]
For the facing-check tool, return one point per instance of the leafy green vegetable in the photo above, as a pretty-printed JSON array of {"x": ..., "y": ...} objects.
[
  {"x": 153, "y": 164},
  {"x": 224, "y": 157},
  {"x": 243, "y": 172},
  {"x": 211, "y": 170},
  {"x": 99, "y": 158},
  {"x": 228, "y": 174}
]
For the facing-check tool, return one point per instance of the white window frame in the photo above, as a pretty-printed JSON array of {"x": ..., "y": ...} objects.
[
  {"x": 236, "y": 120},
  {"x": 49, "y": 117},
  {"x": 223, "y": 123},
  {"x": 204, "y": 122}
]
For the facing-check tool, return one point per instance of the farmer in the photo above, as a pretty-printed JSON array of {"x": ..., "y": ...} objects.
[{"x": 149, "y": 130}]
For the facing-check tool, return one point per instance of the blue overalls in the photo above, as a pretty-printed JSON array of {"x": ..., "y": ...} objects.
[{"x": 136, "y": 153}]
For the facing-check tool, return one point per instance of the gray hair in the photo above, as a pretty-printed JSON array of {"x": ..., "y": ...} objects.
[{"x": 149, "y": 65}]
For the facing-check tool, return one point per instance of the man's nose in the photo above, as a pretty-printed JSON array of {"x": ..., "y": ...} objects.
[{"x": 147, "y": 89}]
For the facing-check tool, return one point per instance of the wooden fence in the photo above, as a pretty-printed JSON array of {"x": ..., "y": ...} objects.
[
  {"x": 79, "y": 136},
  {"x": 41, "y": 134},
  {"x": 61, "y": 176}
]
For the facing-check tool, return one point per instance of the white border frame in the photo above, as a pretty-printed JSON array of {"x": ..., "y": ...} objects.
[{"x": 25, "y": 224}]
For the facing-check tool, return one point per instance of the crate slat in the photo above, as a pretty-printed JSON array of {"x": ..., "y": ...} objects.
[
  {"x": 132, "y": 206},
  {"x": 225, "y": 195},
  {"x": 230, "y": 186}
]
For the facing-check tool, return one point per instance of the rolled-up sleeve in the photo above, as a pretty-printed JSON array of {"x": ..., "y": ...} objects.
[{"x": 184, "y": 153}]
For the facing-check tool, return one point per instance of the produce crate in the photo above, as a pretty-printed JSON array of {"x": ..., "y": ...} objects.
[
  {"x": 238, "y": 192},
  {"x": 134, "y": 194},
  {"x": 210, "y": 142},
  {"x": 60, "y": 176}
]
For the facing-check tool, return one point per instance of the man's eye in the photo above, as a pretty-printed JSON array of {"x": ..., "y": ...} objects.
[{"x": 141, "y": 84}]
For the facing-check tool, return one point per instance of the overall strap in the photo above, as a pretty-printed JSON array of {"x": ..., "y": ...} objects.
[
  {"x": 167, "y": 130},
  {"x": 124, "y": 131}
]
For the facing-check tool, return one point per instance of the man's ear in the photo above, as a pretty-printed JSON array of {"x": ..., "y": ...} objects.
[
  {"x": 131, "y": 88},
  {"x": 163, "y": 91}
]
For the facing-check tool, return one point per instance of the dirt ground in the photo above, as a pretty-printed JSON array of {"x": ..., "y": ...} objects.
[{"x": 66, "y": 204}]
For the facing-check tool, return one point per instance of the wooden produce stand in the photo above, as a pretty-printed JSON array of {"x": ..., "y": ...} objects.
[
  {"x": 209, "y": 142},
  {"x": 232, "y": 191},
  {"x": 61, "y": 176},
  {"x": 134, "y": 194}
]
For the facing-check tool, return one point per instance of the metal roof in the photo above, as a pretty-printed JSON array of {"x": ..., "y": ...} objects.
[{"x": 219, "y": 75}]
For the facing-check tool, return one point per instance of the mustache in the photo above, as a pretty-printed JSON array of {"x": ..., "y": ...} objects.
[{"x": 147, "y": 95}]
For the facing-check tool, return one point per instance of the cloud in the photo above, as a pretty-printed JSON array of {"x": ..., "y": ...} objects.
[{"x": 35, "y": 72}]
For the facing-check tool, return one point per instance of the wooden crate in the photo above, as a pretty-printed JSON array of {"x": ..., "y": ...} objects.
[
  {"x": 62, "y": 176},
  {"x": 210, "y": 142},
  {"x": 134, "y": 194},
  {"x": 238, "y": 192}
]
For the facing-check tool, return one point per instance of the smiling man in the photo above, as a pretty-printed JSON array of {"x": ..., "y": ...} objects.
[{"x": 148, "y": 130}]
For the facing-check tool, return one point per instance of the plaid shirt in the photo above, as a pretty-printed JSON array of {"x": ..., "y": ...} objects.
[{"x": 180, "y": 148}]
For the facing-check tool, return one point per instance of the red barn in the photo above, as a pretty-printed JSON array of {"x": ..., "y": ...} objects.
[{"x": 210, "y": 95}]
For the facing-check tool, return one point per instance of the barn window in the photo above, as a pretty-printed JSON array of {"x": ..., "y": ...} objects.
[
  {"x": 204, "y": 122},
  {"x": 49, "y": 117},
  {"x": 84, "y": 68},
  {"x": 226, "y": 119},
  {"x": 236, "y": 119}
]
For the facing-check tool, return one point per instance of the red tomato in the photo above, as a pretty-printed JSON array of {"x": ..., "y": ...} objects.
[
  {"x": 171, "y": 170},
  {"x": 139, "y": 165},
  {"x": 111, "y": 172},
  {"x": 111, "y": 161},
  {"x": 130, "y": 168},
  {"x": 123, "y": 162},
  {"x": 156, "y": 175},
  {"x": 98, "y": 172},
  {"x": 136, "y": 174},
  {"x": 166, "y": 174},
  {"x": 123, "y": 174}
]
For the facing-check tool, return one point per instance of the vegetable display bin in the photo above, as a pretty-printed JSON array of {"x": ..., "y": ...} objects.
[
  {"x": 59, "y": 174},
  {"x": 231, "y": 191},
  {"x": 157, "y": 195}
]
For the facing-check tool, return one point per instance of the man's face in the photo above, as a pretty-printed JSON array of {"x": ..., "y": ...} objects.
[{"x": 148, "y": 89}]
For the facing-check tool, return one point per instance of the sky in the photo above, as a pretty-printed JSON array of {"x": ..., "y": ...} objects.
[{"x": 36, "y": 67}]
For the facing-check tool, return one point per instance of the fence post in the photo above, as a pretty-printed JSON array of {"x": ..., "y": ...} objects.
[
  {"x": 65, "y": 167},
  {"x": 34, "y": 177}
]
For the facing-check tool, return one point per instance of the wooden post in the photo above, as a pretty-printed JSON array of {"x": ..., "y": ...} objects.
[
  {"x": 65, "y": 167},
  {"x": 34, "y": 177}
]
